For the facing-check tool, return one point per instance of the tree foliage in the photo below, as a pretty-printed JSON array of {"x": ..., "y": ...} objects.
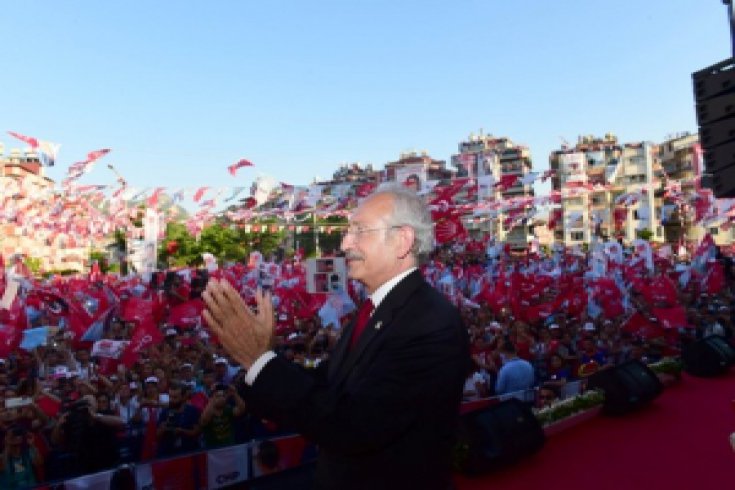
[
  {"x": 101, "y": 258},
  {"x": 33, "y": 264},
  {"x": 328, "y": 242},
  {"x": 645, "y": 234},
  {"x": 226, "y": 241}
]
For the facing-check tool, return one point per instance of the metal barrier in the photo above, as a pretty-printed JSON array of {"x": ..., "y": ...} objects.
[
  {"x": 569, "y": 389},
  {"x": 206, "y": 469},
  {"x": 221, "y": 467}
]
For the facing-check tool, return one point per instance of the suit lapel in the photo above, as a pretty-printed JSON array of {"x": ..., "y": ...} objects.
[{"x": 344, "y": 358}]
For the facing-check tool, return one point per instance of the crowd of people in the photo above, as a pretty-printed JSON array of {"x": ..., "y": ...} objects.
[{"x": 66, "y": 412}]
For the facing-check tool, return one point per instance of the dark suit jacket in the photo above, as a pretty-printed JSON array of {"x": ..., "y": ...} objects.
[{"x": 384, "y": 412}]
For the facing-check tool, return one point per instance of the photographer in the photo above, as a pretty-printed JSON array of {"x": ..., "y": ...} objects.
[
  {"x": 178, "y": 429},
  {"x": 89, "y": 437},
  {"x": 218, "y": 419},
  {"x": 19, "y": 461}
]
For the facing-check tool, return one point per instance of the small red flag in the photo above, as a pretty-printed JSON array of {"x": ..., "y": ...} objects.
[
  {"x": 33, "y": 142},
  {"x": 200, "y": 193},
  {"x": 97, "y": 154},
  {"x": 237, "y": 165}
]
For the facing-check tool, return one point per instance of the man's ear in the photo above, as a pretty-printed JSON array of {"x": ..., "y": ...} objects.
[{"x": 407, "y": 238}]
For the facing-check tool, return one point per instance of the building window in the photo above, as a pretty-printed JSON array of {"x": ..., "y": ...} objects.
[
  {"x": 659, "y": 231},
  {"x": 559, "y": 235},
  {"x": 714, "y": 231},
  {"x": 577, "y": 236}
]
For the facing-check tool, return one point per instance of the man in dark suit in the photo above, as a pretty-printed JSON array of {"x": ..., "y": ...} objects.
[{"x": 383, "y": 408}]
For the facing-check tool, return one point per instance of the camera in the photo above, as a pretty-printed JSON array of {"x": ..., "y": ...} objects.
[
  {"x": 17, "y": 431},
  {"x": 170, "y": 425}
]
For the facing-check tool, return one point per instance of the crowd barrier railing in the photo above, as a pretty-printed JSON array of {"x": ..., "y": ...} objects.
[
  {"x": 230, "y": 465},
  {"x": 206, "y": 469},
  {"x": 569, "y": 389}
]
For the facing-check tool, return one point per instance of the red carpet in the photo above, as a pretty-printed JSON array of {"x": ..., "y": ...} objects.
[{"x": 679, "y": 441}]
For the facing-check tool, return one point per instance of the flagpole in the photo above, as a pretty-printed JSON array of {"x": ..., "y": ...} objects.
[{"x": 316, "y": 234}]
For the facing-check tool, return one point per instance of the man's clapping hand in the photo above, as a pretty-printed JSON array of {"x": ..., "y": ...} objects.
[{"x": 244, "y": 335}]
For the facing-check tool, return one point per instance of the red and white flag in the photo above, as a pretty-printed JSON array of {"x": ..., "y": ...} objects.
[
  {"x": 152, "y": 201},
  {"x": 111, "y": 349},
  {"x": 145, "y": 335},
  {"x": 31, "y": 141},
  {"x": 93, "y": 156},
  {"x": 507, "y": 181},
  {"x": 200, "y": 193},
  {"x": 238, "y": 165}
]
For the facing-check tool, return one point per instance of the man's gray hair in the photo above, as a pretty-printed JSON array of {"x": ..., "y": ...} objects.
[{"x": 409, "y": 209}]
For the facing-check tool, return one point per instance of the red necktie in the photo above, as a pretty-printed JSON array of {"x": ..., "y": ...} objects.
[{"x": 363, "y": 315}]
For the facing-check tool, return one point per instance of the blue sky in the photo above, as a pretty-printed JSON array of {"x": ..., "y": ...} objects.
[{"x": 179, "y": 90}]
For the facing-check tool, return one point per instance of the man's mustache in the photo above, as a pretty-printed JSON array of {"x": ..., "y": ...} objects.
[{"x": 353, "y": 256}]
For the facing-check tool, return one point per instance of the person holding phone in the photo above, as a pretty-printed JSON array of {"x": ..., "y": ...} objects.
[
  {"x": 219, "y": 416},
  {"x": 20, "y": 462}
]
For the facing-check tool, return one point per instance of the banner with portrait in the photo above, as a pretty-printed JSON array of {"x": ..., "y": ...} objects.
[{"x": 412, "y": 175}]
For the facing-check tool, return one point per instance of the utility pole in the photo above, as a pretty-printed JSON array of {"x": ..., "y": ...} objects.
[{"x": 316, "y": 234}]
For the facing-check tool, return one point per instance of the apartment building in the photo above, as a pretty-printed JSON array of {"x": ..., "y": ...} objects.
[
  {"x": 492, "y": 161},
  {"x": 605, "y": 189},
  {"x": 22, "y": 179},
  {"x": 681, "y": 160}
]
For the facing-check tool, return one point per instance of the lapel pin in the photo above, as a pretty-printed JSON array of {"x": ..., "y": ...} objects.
[{"x": 378, "y": 325}]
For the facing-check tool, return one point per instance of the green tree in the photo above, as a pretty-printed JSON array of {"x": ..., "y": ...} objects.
[
  {"x": 645, "y": 234},
  {"x": 101, "y": 258},
  {"x": 187, "y": 253},
  {"x": 266, "y": 242},
  {"x": 223, "y": 239},
  {"x": 328, "y": 242},
  {"x": 121, "y": 244},
  {"x": 34, "y": 264}
]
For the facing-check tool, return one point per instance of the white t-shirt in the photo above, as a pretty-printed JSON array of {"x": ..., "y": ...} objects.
[{"x": 128, "y": 410}]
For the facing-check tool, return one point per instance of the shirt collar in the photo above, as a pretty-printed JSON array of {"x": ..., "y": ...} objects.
[{"x": 379, "y": 294}]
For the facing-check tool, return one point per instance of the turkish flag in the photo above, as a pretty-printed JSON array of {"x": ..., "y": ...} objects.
[
  {"x": 641, "y": 326},
  {"x": 186, "y": 314},
  {"x": 144, "y": 335},
  {"x": 137, "y": 309},
  {"x": 675, "y": 317}
]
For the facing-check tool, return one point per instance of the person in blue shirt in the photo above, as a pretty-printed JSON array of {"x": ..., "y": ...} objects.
[
  {"x": 178, "y": 424},
  {"x": 516, "y": 374}
]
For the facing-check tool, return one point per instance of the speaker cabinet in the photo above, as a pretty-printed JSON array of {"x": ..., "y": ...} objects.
[
  {"x": 709, "y": 356},
  {"x": 497, "y": 436},
  {"x": 627, "y": 386},
  {"x": 714, "y": 97}
]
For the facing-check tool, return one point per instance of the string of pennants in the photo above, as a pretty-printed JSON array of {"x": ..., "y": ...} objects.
[{"x": 82, "y": 212}]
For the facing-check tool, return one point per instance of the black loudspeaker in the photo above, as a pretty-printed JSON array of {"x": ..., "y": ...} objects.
[
  {"x": 627, "y": 386},
  {"x": 709, "y": 356},
  {"x": 497, "y": 436},
  {"x": 714, "y": 97}
]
